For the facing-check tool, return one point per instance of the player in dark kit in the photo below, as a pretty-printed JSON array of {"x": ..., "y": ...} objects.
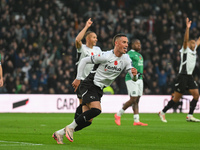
[{"x": 185, "y": 79}]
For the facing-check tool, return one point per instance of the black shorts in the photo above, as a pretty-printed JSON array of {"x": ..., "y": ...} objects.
[
  {"x": 185, "y": 82},
  {"x": 90, "y": 92},
  {"x": 78, "y": 91}
]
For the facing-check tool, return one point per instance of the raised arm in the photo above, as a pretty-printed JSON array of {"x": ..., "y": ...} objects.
[
  {"x": 80, "y": 36},
  {"x": 198, "y": 42},
  {"x": 186, "y": 36}
]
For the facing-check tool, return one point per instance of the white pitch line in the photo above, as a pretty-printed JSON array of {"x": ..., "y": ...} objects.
[{"x": 14, "y": 142}]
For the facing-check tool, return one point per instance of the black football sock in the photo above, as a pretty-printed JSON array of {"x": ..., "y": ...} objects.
[
  {"x": 78, "y": 111},
  {"x": 193, "y": 104},
  {"x": 170, "y": 104},
  {"x": 81, "y": 126},
  {"x": 87, "y": 115}
]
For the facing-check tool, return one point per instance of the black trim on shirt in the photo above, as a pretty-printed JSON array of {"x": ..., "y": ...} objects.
[{"x": 184, "y": 70}]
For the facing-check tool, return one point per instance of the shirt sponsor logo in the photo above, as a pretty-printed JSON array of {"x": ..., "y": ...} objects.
[
  {"x": 140, "y": 63},
  {"x": 112, "y": 68}
]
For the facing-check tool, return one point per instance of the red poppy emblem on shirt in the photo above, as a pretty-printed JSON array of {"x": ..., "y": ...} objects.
[
  {"x": 98, "y": 55},
  {"x": 92, "y": 53},
  {"x": 115, "y": 63},
  {"x": 140, "y": 57}
]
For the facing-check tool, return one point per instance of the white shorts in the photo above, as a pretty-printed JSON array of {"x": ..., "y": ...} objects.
[{"x": 135, "y": 89}]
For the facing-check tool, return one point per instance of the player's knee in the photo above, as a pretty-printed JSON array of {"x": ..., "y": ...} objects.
[
  {"x": 133, "y": 101},
  {"x": 80, "y": 101},
  {"x": 129, "y": 103},
  {"x": 196, "y": 97},
  {"x": 95, "y": 111}
]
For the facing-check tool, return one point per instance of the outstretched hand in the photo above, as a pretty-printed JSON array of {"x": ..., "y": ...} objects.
[
  {"x": 188, "y": 23},
  {"x": 75, "y": 84},
  {"x": 89, "y": 23}
]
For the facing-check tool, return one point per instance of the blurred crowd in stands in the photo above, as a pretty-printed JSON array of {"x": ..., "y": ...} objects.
[{"x": 37, "y": 40}]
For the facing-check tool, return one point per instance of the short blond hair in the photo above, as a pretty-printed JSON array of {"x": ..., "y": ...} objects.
[{"x": 87, "y": 33}]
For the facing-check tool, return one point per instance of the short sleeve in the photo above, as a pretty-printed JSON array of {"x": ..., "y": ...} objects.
[{"x": 80, "y": 50}]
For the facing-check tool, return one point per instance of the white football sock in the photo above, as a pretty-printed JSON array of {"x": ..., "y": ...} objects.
[
  {"x": 136, "y": 118},
  {"x": 73, "y": 125},
  {"x": 162, "y": 113},
  {"x": 120, "y": 113},
  {"x": 61, "y": 131}
]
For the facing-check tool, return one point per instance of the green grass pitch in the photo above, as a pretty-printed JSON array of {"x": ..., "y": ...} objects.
[{"x": 24, "y": 131}]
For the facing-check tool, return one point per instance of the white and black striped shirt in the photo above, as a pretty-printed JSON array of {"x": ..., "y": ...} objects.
[{"x": 188, "y": 60}]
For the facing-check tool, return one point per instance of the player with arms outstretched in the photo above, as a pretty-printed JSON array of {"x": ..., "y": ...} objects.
[{"x": 185, "y": 80}]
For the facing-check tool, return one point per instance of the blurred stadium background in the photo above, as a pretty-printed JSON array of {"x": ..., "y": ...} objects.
[
  {"x": 37, "y": 40},
  {"x": 38, "y": 57}
]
